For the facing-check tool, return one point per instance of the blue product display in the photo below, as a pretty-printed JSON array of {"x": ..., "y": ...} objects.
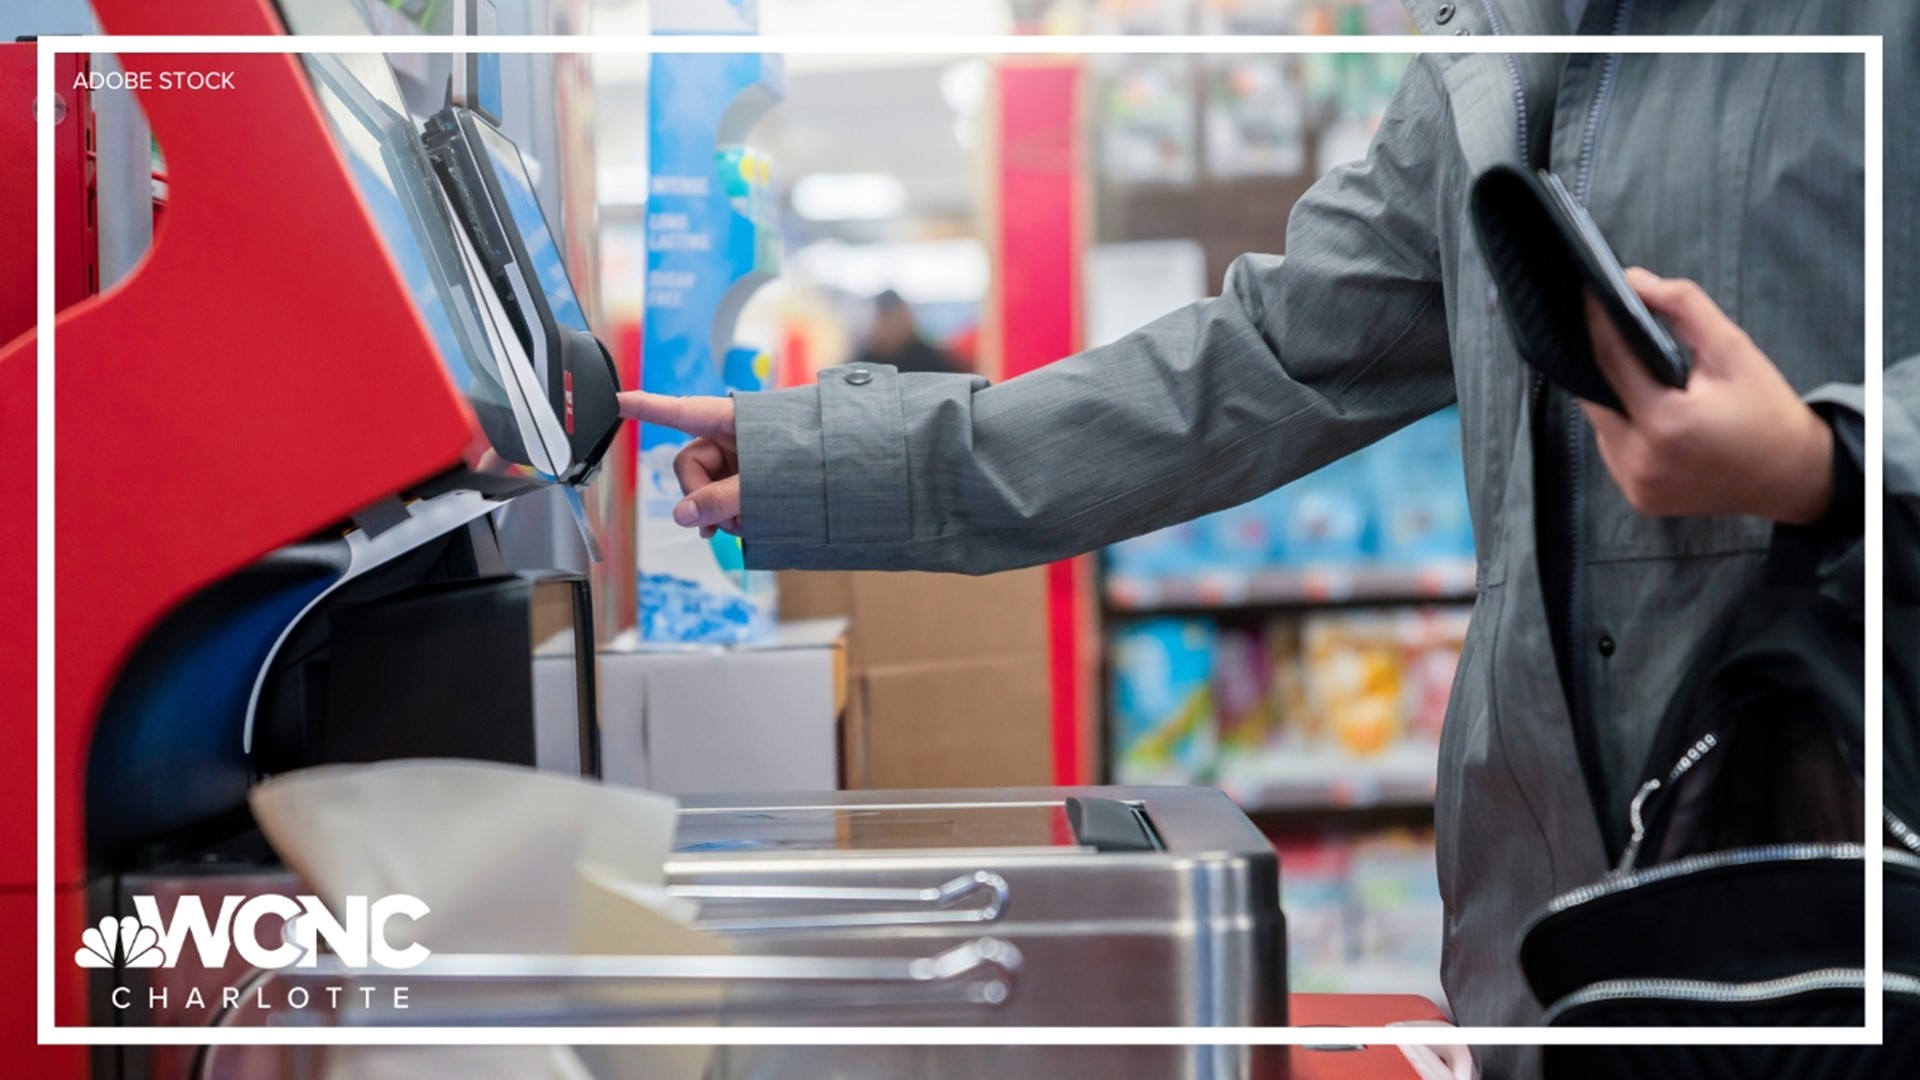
[
  {"x": 1419, "y": 481},
  {"x": 1242, "y": 537},
  {"x": 675, "y": 609},
  {"x": 711, "y": 242},
  {"x": 1176, "y": 549},
  {"x": 1399, "y": 504},
  {"x": 1326, "y": 517},
  {"x": 1164, "y": 729}
]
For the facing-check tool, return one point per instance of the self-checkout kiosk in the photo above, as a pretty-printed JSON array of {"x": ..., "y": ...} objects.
[
  {"x": 297, "y": 565},
  {"x": 352, "y": 341}
]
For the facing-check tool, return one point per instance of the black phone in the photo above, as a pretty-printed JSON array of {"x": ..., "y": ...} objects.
[{"x": 1545, "y": 254}]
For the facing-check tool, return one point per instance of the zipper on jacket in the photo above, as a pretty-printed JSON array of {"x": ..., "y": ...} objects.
[
  {"x": 1702, "y": 992},
  {"x": 1583, "y": 711},
  {"x": 1578, "y": 691},
  {"x": 1636, "y": 813},
  {"x": 1566, "y": 636},
  {"x": 1574, "y": 422},
  {"x": 1901, "y": 830},
  {"x": 1576, "y": 591},
  {"x": 1590, "y": 133},
  {"x": 1513, "y": 74},
  {"x": 1572, "y": 630},
  {"x": 1694, "y": 864}
]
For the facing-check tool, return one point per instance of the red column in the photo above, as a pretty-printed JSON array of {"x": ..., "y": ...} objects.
[{"x": 1038, "y": 321}]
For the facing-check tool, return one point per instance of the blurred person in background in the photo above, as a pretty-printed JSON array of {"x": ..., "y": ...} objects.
[{"x": 894, "y": 339}]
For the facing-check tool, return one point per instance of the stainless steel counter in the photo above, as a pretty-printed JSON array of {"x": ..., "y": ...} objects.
[{"x": 1025, "y": 907}]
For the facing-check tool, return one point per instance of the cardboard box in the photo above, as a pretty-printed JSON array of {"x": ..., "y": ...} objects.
[
  {"x": 740, "y": 719},
  {"x": 952, "y": 723},
  {"x": 949, "y": 674},
  {"x": 907, "y": 618}
]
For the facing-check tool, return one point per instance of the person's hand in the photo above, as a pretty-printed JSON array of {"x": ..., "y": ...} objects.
[
  {"x": 1737, "y": 440},
  {"x": 708, "y": 468}
]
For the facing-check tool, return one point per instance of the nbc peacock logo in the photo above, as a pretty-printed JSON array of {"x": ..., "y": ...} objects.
[{"x": 126, "y": 942}]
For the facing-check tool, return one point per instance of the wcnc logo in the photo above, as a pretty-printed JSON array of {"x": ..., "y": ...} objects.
[{"x": 149, "y": 941}]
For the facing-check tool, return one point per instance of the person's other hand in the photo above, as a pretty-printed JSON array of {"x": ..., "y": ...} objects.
[
  {"x": 708, "y": 468},
  {"x": 1737, "y": 440}
]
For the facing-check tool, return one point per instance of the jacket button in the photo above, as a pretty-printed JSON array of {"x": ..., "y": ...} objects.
[
  {"x": 1462, "y": 32},
  {"x": 1444, "y": 15},
  {"x": 859, "y": 377},
  {"x": 1606, "y": 645}
]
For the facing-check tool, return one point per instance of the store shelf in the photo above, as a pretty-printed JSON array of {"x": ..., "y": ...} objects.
[
  {"x": 1328, "y": 780},
  {"x": 1375, "y": 977},
  {"x": 1292, "y": 587}
]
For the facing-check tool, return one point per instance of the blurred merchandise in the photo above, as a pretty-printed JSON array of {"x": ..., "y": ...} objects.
[
  {"x": 1255, "y": 116},
  {"x": 1396, "y": 900},
  {"x": 1317, "y": 906},
  {"x": 1142, "y": 16},
  {"x": 1246, "y": 537},
  {"x": 1363, "y": 913},
  {"x": 1246, "y": 713},
  {"x": 1169, "y": 552},
  {"x": 1146, "y": 119},
  {"x": 746, "y": 175},
  {"x": 1250, "y": 16},
  {"x": 1234, "y": 17},
  {"x": 1349, "y": 16},
  {"x": 1431, "y": 641},
  {"x": 1418, "y": 478},
  {"x": 1164, "y": 718},
  {"x": 1329, "y": 709},
  {"x": 1296, "y": 724},
  {"x": 1399, "y": 505},
  {"x": 1258, "y": 117},
  {"x": 1351, "y": 89},
  {"x": 1327, "y": 516},
  {"x": 1314, "y": 708},
  {"x": 1353, "y": 679}
]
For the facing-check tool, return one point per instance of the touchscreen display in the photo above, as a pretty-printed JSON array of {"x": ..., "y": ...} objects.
[
  {"x": 362, "y": 103},
  {"x": 373, "y": 131},
  {"x": 531, "y": 223}
]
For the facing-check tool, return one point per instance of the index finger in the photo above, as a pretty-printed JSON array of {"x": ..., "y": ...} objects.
[
  {"x": 1632, "y": 383},
  {"x": 711, "y": 417}
]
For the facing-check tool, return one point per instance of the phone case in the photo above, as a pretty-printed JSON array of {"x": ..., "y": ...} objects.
[{"x": 1544, "y": 252}]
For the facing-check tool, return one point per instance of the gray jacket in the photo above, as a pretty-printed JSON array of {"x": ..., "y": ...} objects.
[{"x": 1744, "y": 173}]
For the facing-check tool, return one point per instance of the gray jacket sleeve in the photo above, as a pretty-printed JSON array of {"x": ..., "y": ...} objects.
[{"x": 1298, "y": 362}]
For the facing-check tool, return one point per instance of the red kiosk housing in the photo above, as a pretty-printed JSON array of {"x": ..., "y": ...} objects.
[{"x": 210, "y": 409}]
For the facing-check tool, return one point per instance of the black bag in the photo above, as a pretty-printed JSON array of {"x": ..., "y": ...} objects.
[
  {"x": 1739, "y": 898},
  {"x": 1749, "y": 938},
  {"x": 1902, "y": 722}
]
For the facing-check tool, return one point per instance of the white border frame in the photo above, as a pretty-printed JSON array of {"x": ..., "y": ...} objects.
[{"x": 1868, "y": 47}]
